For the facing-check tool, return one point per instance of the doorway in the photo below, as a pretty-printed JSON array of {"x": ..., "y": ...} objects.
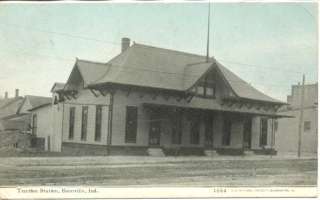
[
  {"x": 208, "y": 131},
  {"x": 247, "y": 133},
  {"x": 155, "y": 130}
]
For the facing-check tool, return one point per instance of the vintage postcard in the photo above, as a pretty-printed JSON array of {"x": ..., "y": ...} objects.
[{"x": 158, "y": 99}]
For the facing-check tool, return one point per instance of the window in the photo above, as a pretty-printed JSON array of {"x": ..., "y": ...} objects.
[
  {"x": 84, "y": 123},
  {"x": 205, "y": 88},
  {"x": 71, "y": 122},
  {"x": 263, "y": 131},
  {"x": 194, "y": 90},
  {"x": 97, "y": 135},
  {"x": 176, "y": 129},
  {"x": 34, "y": 124},
  {"x": 195, "y": 131},
  {"x": 131, "y": 124},
  {"x": 307, "y": 126},
  {"x": 209, "y": 91},
  {"x": 200, "y": 90},
  {"x": 226, "y": 138}
]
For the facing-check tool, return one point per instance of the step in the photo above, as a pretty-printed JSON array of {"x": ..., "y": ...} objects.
[
  {"x": 157, "y": 152},
  {"x": 249, "y": 153},
  {"x": 211, "y": 153}
]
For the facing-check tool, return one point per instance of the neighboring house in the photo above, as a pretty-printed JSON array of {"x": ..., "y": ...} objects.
[
  {"x": 42, "y": 126},
  {"x": 287, "y": 132},
  {"x": 14, "y": 114},
  {"x": 44, "y": 122},
  {"x": 9, "y": 118},
  {"x": 150, "y": 100}
]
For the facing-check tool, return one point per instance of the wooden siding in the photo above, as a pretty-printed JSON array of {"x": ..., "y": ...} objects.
[
  {"x": 84, "y": 98},
  {"x": 45, "y": 127},
  {"x": 90, "y": 125}
]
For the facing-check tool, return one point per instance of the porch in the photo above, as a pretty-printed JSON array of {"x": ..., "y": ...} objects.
[{"x": 189, "y": 131}]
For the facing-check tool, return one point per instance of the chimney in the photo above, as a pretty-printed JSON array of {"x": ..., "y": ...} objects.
[
  {"x": 125, "y": 43},
  {"x": 17, "y": 93},
  {"x": 6, "y": 95}
]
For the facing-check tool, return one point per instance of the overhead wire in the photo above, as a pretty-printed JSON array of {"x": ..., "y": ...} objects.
[{"x": 257, "y": 67}]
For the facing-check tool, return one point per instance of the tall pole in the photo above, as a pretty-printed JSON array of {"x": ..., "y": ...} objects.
[
  {"x": 208, "y": 34},
  {"x": 301, "y": 117}
]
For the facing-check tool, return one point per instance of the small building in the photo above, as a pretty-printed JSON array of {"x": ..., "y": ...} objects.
[
  {"x": 287, "y": 132},
  {"x": 151, "y": 100},
  {"x": 43, "y": 121},
  {"x": 10, "y": 119},
  {"x": 42, "y": 127},
  {"x": 15, "y": 119}
]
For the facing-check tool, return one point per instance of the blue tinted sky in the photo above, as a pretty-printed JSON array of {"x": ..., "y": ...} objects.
[{"x": 269, "y": 45}]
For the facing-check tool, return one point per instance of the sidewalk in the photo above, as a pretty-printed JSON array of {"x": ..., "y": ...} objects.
[{"x": 122, "y": 160}]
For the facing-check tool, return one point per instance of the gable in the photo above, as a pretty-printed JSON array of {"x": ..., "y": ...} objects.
[
  {"x": 25, "y": 106},
  {"x": 90, "y": 71},
  {"x": 75, "y": 80},
  {"x": 30, "y": 102},
  {"x": 194, "y": 72},
  {"x": 212, "y": 84},
  {"x": 84, "y": 73}
]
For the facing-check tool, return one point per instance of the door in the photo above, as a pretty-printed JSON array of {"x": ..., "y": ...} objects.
[
  {"x": 208, "y": 131},
  {"x": 247, "y": 134},
  {"x": 154, "y": 132},
  {"x": 131, "y": 124}
]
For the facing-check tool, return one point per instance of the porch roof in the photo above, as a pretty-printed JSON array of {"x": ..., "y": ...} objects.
[{"x": 156, "y": 105}]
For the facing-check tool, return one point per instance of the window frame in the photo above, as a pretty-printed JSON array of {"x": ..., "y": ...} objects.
[
  {"x": 263, "y": 140},
  {"x": 84, "y": 123},
  {"x": 205, "y": 85},
  {"x": 98, "y": 123},
  {"x": 72, "y": 113}
]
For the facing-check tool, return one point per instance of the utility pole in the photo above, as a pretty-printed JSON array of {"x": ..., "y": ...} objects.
[
  {"x": 301, "y": 116},
  {"x": 208, "y": 34}
]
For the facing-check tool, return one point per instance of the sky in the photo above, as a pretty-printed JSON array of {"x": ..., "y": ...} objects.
[{"x": 269, "y": 45}]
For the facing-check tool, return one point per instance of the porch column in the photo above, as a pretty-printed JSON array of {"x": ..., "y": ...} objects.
[
  {"x": 255, "y": 133},
  {"x": 217, "y": 130},
  {"x": 237, "y": 134}
]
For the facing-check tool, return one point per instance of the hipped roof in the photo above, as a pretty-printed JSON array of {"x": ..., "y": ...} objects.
[{"x": 148, "y": 66}]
